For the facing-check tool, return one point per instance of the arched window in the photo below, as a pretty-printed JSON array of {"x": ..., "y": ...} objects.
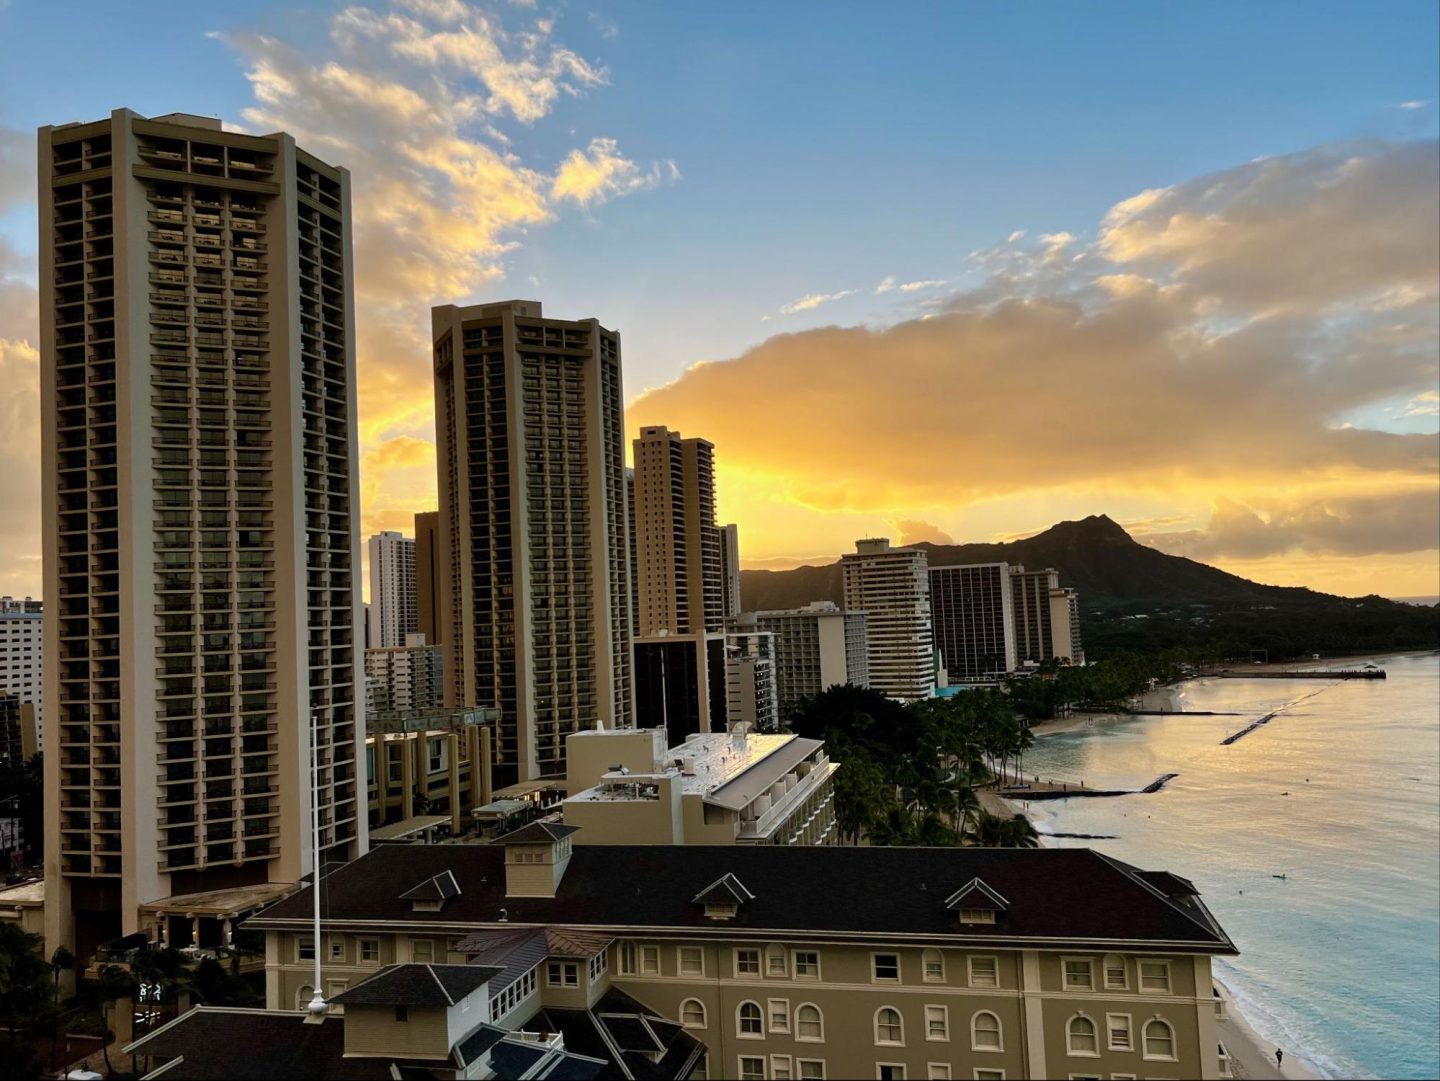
[
  {"x": 985, "y": 1032},
  {"x": 1080, "y": 1038},
  {"x": 749, "y": 1020},
  {"x": 933, "y": 966},
  {"x": 888, "y": 1026},
  {"x": 809, "y": 1023},
  {"x": 303, "y": 996},
  {"x": 1159, "y": 1040},
  {"x": 1115, "y": 976},
  {"x": 777, "y": 961},
  {"x": 692, "y": 1013}
]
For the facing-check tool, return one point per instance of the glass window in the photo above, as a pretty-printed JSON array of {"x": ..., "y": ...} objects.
[
  {"x": 985, "y": 1032},
  {"x": 1078, "y": 975},
  {"x": 752, "y": 1068},
  {"x": 422, "y": 950},
  {"x": 1117, "y": 1028},
  {"x": 807, "y": 964},
  {"x": 810, "y": 1069},
  {"x": 369, "y": 951},
  {"x": 779, "y": 1010},
  {"x": 562, "y": 974},
  {"x": 337, "y": 950},
  {"x": 1159, "y": 1039},
  {"x": 692, "y": 961},
  {"x": 780, "y": 1069},
  {"x": 749, "y": 1021},
  {"x": 1115, "y": 977},
  {"x": 629, "y": 960},
  {"x": 1155, "y": 977},
  {"x": 934, "y": 962},
  {"x": 649, "y": 960},
  {"x": 1080, "y": 1037},
  {"x": 747, "y": 962},
  {"x": 937, "y": 1071},
  {"x": 984, "y": 972},
  {"x": 775, "y": 961},
  {"x": 305, "y": 948},
  {"x": 937, "y": 1023},
  {"x": 809, "y": 1023},
  {"x": 886, "y": 966},
  {"x": 692, "y": 1013},
  {"x": 889, "y": 1029}
]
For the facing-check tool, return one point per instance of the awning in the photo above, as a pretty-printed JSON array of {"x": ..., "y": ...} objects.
[{"x": 408, "y": 827}]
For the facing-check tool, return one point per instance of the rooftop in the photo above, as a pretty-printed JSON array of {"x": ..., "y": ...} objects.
[{"x": 418, "y": 985}]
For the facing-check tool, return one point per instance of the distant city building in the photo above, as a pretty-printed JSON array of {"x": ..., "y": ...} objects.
[
  {"x": 677, "y": 545},
  {"x": 1047, "y": 618},
  {"x": 680, "y": 683},
  {"x": 730, "y": 570},
  {"x": 892, "y": 587},
  {"x": 201, "y": 525},
  {"x": 1065, "y": 640},
  {"x": 391, "y": 615},
  {"x": 973, "y": 612},
  {"x": 431, "y": 561},
  {"x": 529, "y": 416},
  {"x": 420, "y": 766},
  {"x": 412, "y": 675},
  {"x": 751, "y": 697},
  {"x": 713, "y": 788},
  {"x": 22, "y": 657},
  {"x": 12, "y": 737},
  {"x": 816, "y": 647}
]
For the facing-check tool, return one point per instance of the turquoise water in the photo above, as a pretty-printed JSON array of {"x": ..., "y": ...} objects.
[{"x": 1340, "y": 962}]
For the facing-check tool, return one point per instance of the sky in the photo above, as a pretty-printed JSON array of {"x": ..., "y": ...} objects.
[{"x": 929, "y": 271}]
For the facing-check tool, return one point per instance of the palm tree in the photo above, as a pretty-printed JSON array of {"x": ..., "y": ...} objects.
[{"x": 113, "y": 983}]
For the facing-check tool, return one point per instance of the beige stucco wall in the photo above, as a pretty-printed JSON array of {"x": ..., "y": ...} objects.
[{"x": 373, "y": 1030}]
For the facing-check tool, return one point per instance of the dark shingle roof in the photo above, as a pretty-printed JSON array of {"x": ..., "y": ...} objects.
[
  {"x": 513, "y": 952},
  {"x": 725, "y": 890},
  {"x": 417, "y": 985},
  {"x": 1054, "y": 895},
  {"x": 439, "y": 887},
  {"x": 537, "y": 833},
  {"x": 975, "y": 894}
]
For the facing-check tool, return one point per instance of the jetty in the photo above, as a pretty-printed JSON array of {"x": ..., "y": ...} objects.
[
  {"x": 1047, "y": 790},
  {"x": 1304, "y": 673}
]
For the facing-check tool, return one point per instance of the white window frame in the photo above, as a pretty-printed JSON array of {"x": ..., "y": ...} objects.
[
  {"x": 759, "y": 956},
  {"x": 1065, "y": 981},
  {"x": 1069, "y": 1036},
  {"x": 928, "y": 958},
  {"x": 795, "y": 965},
  {"x": 301, "y": 941},
  {"x": 740, "y": 1033},
  {"x": 875, "y": 1026},
  {"x": 1145, "y": 1054},
  {"x": 938, "y": 1071},
  {"x": 875, "y": 976},
  {"x": 807, "y": 1063},
  {"x": 999, "y": 1032},
  {"x": 1106, "y": 968},
  {"x": 970, "y": 969},
  {"x": 783, "y": 1012},
  {"x": 775, "y": 953},
  {"x": 901, "y": 1076},
  {"x": 741, "y": 1071},
  {"x": 1129, "y": 1027},
  {"x": 944, "y": 1014},
  {"x": 680, "y": 954},
  {"x": 360, "y": 944},
  {"x": 649, "y": 960},
  {"x": 988, "y": 1073},
  {"x": 627, "y": 960},
  {"x": 414, "y": 942},
  {"x": 565, "y": 970},
  {"x": 788, "y": 1064},
  {"x": 336, "y": 951},
  {"x": 1164, "y": 967},
  {"x": 820, "y": 1016},
  {"x": 304, "y": 995},
  {"x": 704, "y": 1014}
]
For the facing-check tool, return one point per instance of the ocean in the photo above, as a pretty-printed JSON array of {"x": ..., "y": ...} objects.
[{"x": 1340, "y": 960}]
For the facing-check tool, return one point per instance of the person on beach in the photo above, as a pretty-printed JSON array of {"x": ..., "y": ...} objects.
[{"x": 1279, "y": 1058}]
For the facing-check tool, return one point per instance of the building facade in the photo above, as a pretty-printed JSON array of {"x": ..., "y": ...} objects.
[
  {"x": 200, "y": 511},
  {"x": 531, "y": 459},
  {"x": 410, "y": 676},
  {"x": 1047, "y": 618},
  {"x": 680, "y": 683},
  {"x": 392, "y": 612},
  {"x": 429, "y": 562},
  {"x": 730, "y": 571},
  {"x": 22, "y": 657},
  {"x": 892, "y": 587},
  {"x": 751, "y": 696},
  {"x": 973, "y": 612},
  {"x": 801, "y": 962},
  {"x": 816, "y": 647},
  {"x": 678, "y": 569}
]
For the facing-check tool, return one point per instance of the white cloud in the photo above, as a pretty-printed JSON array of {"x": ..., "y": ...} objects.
[
  {"x": 600, "y": 172},
  {"x": 913, "y": 287},
  {"x": 1411, "y": 106},
  {"x": 887, "y": 284},
  {"x": 814, "y": 300},
  {"x": 1425, "y": 404},
  {"x": 1018, "y": 234}
]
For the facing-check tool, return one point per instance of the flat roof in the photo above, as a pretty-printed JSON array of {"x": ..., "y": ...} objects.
[
  {"x": 525, "y": 788},
  {"x": 752, "y": 782},
  {"x": 406, "y": 827},
  {"x": 24, "y": 893},
  {"x": 222, "y": 903}
]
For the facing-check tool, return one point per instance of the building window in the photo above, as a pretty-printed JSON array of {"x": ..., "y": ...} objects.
[
  {"x": 807, "y": 964},
  {"x": 885, "y": 967},
  {"x": 692, "y": 1013},
  {"x": 984, "y": 971},
  {"x": 1115, "y": 975},
  {"x": 937, "y": 1023},
  {"x": 422, "y": 950},
  {"x": 989, "y": 1075},
  {"x": 934, "y": 966},
  {"x": 692, "y": 961},
  {"x": 779, "y": 1009},
  {"x": 890, "y": 1071},
  {"x": 598, "y": 966},
  {"x": 775, "y": 962},
  {"x": 629, "y": 960},
  {"x": 649, "y": 960},
  {"x": 562, "y": 974},
  {"x": 1117, "y": 1032},
  {"x": 1155, "y": 977},
  {"x": 937, "y": 1071},
  {"x": 1080, "y": 1037},
  {"x": 752, "y": 1068},
  {"x": 749, "y": 1021},
  {"x": 889, "y": 1029},
  {"x": 780, "y": 1068},
  {"x": 402, "y": 1013},
  {"x": 1079, "y": 974},
  {"x": 809, "y": 1023},
  {"x": 303, "y": 994},
  {"x": 985, "y": 1034},
  {"x": 337, "y": 950},
  {"x": 747, "y": 962},
  {"x": 810, "y": 1069},
  {"x": 369, "y": 951},
  {"x": 305, "y": 948},
  {"x": 1159, "y": 1040},
  {"x": 977, "y": 915}
]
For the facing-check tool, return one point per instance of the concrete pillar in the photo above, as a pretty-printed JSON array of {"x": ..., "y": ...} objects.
[
  {"x": 1033, "y": 1015},
  {"x": 472, "y": 751},
  {"x": 382, "y": 777},
  {"x": 483, "y": 765},
  {"x": 456, "y": 799},
  {"x": 122, "y": 1020},
  {"x": 227, "y": 931},
  {"x": 407, "y": 777}
]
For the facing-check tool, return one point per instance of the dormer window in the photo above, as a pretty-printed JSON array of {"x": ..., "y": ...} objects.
[
  {"x": 977, "y": 915},
  {"x": 723, "y": 898},
  {"x": 976, "y": 904},
  {"x": 432, "y": 894},
  {"x": 721, "y": 911}
]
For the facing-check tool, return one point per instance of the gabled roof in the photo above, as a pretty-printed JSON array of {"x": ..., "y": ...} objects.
[
  {"x": 975, "y": 894},
  {"x": 439, "y": 887},
  {"x": 537, "y": 833},
  {"x": 725, "y": 890},
  {"x": 566, "y": 942},
  {"x": 417, "y": 985},
  {"x": 624, "y": 1032}
]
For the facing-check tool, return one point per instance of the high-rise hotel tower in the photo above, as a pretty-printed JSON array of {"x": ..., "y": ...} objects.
[
  {"x": 535, "y": 590},
  {"x": 200, "y": 520}
]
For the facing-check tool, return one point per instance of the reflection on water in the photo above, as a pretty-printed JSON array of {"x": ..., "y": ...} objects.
[{"x": 1341, "y": 794}]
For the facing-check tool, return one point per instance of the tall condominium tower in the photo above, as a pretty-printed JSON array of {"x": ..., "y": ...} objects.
[
  {"x": 22, "y": 666},
  {"x": 529, "y": 416},
  {"x": 677, "y": 546},
  {"x": 200, "y": 519},
  {"x": 392, "y": 590},
  {"x": 730, "y": 571},
  {"x": 892, "y": 587},
  {"x": 974, "y": 619},
  {"x": 430, "y": 563},
  {"x": 751, "y": 697},
  {"x": 816, "y": 647},
  {"x": 1047, "y": 617}
]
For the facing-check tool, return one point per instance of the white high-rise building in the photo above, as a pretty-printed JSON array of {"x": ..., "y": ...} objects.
[
  {"x": 816, "y": 647},
  {"x": 201, "y": 526},
  {"x": 973, "y": 609},
  {"x": 751, "y": 697},
  {"x": 22, "y": 658},
  {"x": 892, "y": 587},
  {"x": 392, "y": 590},
  {"x": 730, "y": 570}
]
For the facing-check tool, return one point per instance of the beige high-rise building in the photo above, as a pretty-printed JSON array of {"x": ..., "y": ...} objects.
[
  {"x": 974, "y": 620},
  {"x": 892, "y": 587},
  {"x": 430, "y": 562},
  {"x": 1047, "y": 618},
  {"x": 816, "y": 647},
  {"x": 730, "y": 570},
  {"x": 678, "y": 582},
  {"x": 22, "y": 668},
  {"x": 200, "y": 521},
  {"x": 391, "y": 614},
  {"x": 529, "y": 417}
]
